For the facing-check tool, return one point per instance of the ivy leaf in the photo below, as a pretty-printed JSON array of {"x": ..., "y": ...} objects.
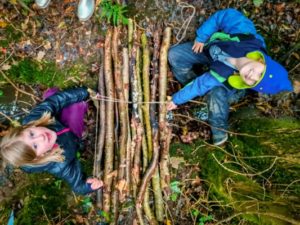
[
  {"x": 195, "y": 212},
  {"x": 175, "y": 188},
  {"x": 174, "y": 197}
]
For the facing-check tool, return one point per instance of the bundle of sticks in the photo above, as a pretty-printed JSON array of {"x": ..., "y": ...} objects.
[{"x": 132, "y": 149}]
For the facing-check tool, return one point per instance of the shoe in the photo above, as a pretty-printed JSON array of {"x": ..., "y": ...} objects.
[
  {"x": 42, "y": 3},
  {"x": 85, "y": 9},
  {"x": 220, "y": 140}
]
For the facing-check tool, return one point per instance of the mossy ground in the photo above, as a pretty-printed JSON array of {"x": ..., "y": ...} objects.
[
  {"x": 258, "y": 171},
  {"x": 48, "y": 74},
  {"x": 41, "y": 199}
]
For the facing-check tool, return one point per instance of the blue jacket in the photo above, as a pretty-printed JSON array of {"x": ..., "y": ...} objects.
[
  {"x": 70, "y": 169},
  {"x": 238, "y": 40},
  {"x": 229, "y": 21}
]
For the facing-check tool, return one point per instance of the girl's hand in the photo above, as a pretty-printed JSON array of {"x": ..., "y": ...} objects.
[
  {"x": 95, "y": 183},
  {"x": 198, "y": 47},
  {"x": 171, "y": 105},
  {"x": 94, "y": 96}
]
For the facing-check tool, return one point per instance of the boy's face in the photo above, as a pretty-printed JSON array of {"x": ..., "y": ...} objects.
[{"x": 252, "y": 71}]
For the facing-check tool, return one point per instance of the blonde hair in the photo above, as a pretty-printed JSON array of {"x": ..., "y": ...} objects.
[{"x": 17, "y": 153}]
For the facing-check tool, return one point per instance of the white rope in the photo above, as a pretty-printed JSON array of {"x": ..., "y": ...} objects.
[
  {"x": 107, "y": 99},
  {"x": 186, "y": 23}
]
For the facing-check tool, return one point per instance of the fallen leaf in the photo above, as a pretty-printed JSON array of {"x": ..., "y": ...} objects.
[
  {"x": 196, "y": 181},
  {"x": 168, "y": 222},
  {"x": 79, "y": 219},
  {"x": 296, "y": 86},
  {"x": 6, "y": 67},
  {"x": 24, "y": 25},
  {"x": 40, "y": 55},
  {"x": 62, "y": 25},
  {"x": 14, "y": 2},
  {"x": 69, "y": 10},
  {"x": 3, "y": 24},
  {"x": 175, "y": 161},
  {"x": 3, "y": 50},
  {"x": 47, "y": 45},
  {"x": 69, "y": 43}
]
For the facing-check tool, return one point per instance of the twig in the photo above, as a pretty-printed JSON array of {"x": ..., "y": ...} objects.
[
  {"x": 207, "y": 124},
  {"x": 18, "y": 89},
  {"x": 46, "y": 215},
  {"x": 25, "y": 6},
  {"x": 26, "y": 103},
  {"x": 6, "y": 59},
  {"x": 6, "y": 116},
  {"x": 244, "y": 174},
  {"x": 295, "y": 181},
  {"x": 294, "y": 68},
  {"x": 12, "y": 25}
]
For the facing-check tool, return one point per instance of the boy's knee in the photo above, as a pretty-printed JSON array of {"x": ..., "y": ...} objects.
[{"x": 173, "y": 56}]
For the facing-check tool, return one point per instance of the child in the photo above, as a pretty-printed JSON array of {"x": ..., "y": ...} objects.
[
  {"x": 43, "y": 144},
  {"x": 237, "y": 61}
]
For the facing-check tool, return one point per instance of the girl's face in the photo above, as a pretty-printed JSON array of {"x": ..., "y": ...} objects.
[
  {"x": 41, "y": 139},
  {"x": 252, "y": 71}
]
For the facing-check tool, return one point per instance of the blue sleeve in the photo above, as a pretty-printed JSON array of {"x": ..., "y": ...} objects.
[
  {"x": 69, "y": 171},
  {"x": 55, "y": 103},
  {"x": 72, "y": 174},
  {"x": 230, "y": 21},
  {"x": 198, "y": 87}
]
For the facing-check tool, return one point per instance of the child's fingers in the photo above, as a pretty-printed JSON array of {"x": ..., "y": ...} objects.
[{"x": 95, "y": 183}]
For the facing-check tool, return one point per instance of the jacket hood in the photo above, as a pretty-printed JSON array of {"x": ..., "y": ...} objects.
[{"x": 274, "y": 78}]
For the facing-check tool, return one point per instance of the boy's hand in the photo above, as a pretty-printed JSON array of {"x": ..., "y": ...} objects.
[
  {"x": 95, "y": 183},
  {"x": 171, "y": 105},
  {"x": 198, "y": 47}
]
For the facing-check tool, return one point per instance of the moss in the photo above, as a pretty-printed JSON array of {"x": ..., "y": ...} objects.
[
  {"x": 38, "y": 198},
  {"x": 262, "y": 192},
  {"x": 11, "y": 35},
  {"x": 30, "y": 72}
]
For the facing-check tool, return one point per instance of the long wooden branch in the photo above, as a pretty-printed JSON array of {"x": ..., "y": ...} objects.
[
  {"x": 164, "y": 130},
  {"x": 109, "y": 145},
  {"x": 158, "y": 199},
  {"x": 102, "y": 127},
  {"x": 125, "y": 75},
  {"x": 122, "y": 115}
]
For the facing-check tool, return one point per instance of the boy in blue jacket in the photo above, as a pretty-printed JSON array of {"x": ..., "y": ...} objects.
[{"x": 236, "y": 56}]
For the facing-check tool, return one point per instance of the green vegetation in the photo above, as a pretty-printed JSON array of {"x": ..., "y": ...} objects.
[
  {"x": 114, "y": 13},
  {"x": 256, "y": 178},
  {"x": 11, "y": 35},
  {"x": 28, "y": 71},
  {"x": 40, "y": 200}
]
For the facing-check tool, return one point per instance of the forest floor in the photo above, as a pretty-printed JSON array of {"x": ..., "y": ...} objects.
[{"x": 202, "y": 192}]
